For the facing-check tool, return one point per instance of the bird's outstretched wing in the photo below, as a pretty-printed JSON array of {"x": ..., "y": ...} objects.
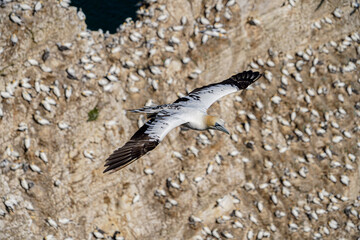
[
  {"x": 144, "y": 140},
  {"x": 205, "y": 96}
]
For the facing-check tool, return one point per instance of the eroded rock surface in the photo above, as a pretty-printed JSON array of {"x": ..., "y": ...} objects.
[{"x": 289, "y": 170}]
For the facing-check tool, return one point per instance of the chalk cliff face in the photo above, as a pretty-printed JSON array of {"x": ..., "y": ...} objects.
[{"x": 289, "y": 169}]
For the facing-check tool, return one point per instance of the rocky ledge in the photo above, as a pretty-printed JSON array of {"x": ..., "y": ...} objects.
[{"x": 289, "y": 170}]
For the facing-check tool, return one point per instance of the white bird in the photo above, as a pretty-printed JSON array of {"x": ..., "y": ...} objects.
[
  {"x": 15, "y": 18},
  {"x": 189, "y": 111},
  {"x": 14, "y": 39},
  {"x": 38, "y": 5}
]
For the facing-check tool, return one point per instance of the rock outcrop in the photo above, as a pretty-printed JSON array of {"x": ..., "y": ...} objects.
[{"x": 289, "y": 170}]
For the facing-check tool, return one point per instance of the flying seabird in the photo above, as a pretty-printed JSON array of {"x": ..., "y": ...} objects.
[{"x": 188, "y": 111}]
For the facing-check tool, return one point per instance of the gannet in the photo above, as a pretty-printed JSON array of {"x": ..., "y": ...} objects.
[{"x": 189, "y": 111}]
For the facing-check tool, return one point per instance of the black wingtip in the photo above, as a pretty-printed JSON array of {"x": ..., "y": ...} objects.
[
  {"x": 249, "y": 76},
  {"x": 244, "y": 79},
  {"x": 130, "y": 152},
  {"x": 106, "y": 170},
  {"x": 107, "y": 166},
  {"x": 109, "y": 170}
]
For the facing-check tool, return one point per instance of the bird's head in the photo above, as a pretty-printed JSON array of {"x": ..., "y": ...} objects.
[{"x": 216, "y": 123}]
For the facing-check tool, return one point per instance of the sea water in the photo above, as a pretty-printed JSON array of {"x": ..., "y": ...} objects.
[{"x": 107, "y": 15}]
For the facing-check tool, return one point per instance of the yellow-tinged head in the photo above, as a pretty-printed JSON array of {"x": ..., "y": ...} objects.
[{"x": 216, "y": 123}]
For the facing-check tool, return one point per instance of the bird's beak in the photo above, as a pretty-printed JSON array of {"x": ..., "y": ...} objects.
[{"x": 222, "y": 128}]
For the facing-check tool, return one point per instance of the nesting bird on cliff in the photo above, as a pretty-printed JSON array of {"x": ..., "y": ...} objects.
[{"x": 188, "y": 111}]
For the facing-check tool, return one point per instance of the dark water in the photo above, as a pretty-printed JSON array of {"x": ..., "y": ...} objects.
[{"x": 107, "y": 14}]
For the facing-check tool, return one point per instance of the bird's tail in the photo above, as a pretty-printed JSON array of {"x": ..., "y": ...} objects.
[{"x": 150, "y": 111}]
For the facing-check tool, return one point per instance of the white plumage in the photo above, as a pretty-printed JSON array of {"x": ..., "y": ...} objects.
[{"x": 188, "y": 111}]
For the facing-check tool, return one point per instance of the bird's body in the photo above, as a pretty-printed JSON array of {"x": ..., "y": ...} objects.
[
  {"x": 188, "y": 111},
  {"x": 197, "y": 119}
]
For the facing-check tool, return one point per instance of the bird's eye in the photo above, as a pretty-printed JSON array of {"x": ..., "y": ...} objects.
[{"x": 216, "y": 124}]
